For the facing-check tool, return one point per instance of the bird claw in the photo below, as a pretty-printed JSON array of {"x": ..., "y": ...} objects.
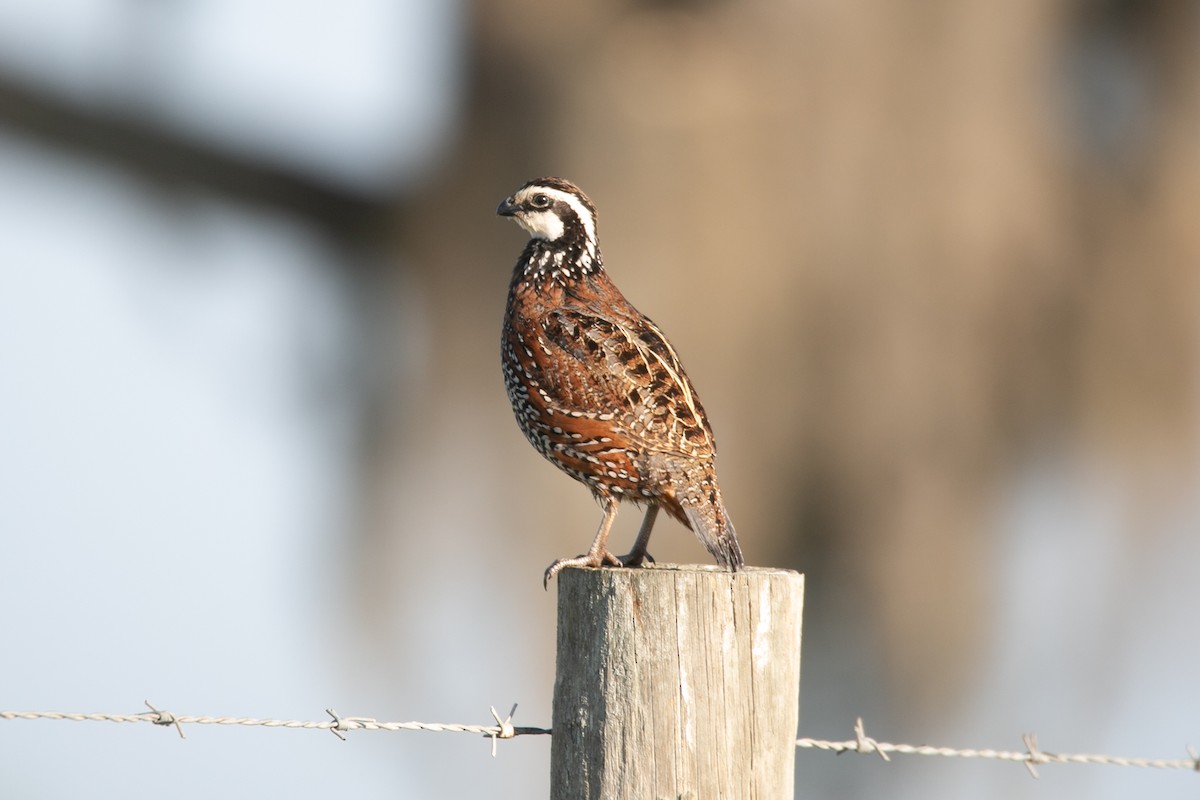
[{"x": 594, "y": 560}]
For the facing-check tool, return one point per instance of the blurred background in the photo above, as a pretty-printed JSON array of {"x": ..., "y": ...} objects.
[{"x": 933, "y": 268}]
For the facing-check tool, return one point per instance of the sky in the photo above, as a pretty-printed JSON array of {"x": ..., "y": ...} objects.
[{"x": 176, "y": 425}]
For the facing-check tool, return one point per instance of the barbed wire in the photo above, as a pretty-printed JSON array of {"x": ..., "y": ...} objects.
[
  {"x": 503, "y": 728},
  {"x": 1030, "y": 756},
  {"x": 338, "y": 725}
]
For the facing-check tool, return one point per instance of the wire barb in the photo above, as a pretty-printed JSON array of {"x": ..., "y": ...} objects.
[
  {"x": 865, "y": 743},
  {"x": 164, "y": 718},
  {"x": 505, "y": 729},
  {"x": 339, "y": 726},
  {"x": 1035, "y": 756}
]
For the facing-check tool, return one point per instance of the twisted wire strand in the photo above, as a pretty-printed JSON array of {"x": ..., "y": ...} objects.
[
  {"x": 504, "y": 729},
  {"x": 1030, "y": 757},
  {"x": 999, "y": 755}
]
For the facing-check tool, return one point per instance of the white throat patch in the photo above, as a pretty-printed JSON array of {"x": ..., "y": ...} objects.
[{"x": 541, "y": 224}]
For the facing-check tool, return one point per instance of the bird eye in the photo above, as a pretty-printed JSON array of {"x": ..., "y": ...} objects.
[{"x": 539, "y": 201}]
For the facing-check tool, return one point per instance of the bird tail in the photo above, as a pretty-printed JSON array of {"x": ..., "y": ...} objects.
[{"x": 714, "y": 529}]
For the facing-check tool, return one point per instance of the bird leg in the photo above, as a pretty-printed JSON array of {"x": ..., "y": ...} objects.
[
  {"x": 638, "y": 554},
  {"x": 597, "y": 555}
]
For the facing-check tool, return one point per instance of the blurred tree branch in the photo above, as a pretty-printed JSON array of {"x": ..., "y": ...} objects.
[{"x": 158, "y": 155}]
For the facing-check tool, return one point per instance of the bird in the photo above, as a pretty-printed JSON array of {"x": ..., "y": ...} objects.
[{"x": 598, "y": 389}]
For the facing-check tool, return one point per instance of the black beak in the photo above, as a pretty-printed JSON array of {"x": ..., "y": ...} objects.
[{"x": 507, "y": 208}]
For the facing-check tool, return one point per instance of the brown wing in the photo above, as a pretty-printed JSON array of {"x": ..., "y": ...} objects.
[{"x": 626, "y": 370}]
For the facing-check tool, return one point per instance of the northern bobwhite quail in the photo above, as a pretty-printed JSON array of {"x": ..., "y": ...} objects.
[{"x": 596, "y": 386}]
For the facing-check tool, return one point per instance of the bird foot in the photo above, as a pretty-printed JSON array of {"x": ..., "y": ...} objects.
[
  {"x": 635, "y": 559},
  {"x": 585, "y": 560}
]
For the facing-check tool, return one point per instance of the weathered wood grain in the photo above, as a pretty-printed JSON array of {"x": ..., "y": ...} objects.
[{"x": 676, "y": 682}]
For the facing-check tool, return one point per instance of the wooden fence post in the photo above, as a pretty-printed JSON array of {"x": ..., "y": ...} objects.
[{"x": 677, "y": 682}]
